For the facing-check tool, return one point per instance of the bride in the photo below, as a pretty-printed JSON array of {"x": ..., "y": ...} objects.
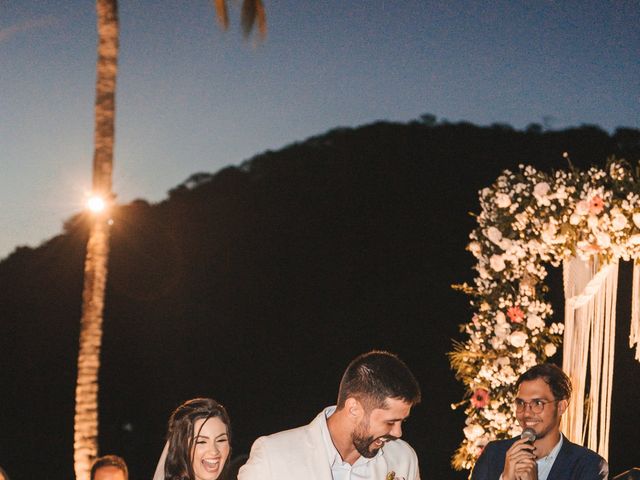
[{"x": 198, "y": 442}]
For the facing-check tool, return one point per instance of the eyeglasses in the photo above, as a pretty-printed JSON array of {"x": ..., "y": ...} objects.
[{"x": 536, "y": 406}]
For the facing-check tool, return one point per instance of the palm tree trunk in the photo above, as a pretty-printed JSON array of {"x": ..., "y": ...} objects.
[{"x": 95, "y": 269}]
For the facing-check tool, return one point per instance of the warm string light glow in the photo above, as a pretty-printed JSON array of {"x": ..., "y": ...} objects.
[
  {"x": 96, "y": 204},
  {"x": 99, "y": 206}
]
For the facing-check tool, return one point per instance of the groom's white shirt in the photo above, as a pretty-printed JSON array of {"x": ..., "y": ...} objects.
[{"x": 302, "y": 454}]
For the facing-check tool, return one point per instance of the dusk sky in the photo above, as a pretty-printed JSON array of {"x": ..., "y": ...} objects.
[{"x": 191, "y": 98}]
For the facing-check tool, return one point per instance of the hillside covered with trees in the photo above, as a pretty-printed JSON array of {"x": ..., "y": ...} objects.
[{"x": 257, "y": 284}]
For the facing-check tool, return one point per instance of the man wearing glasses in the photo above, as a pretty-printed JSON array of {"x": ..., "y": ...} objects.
[{"x": 543, "y": 394}]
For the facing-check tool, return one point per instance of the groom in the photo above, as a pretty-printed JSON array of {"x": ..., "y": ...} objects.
[{"x": 358, "y": 438}]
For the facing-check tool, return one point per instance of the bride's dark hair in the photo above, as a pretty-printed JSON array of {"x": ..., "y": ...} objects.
[{"x": 180, "y": 436}]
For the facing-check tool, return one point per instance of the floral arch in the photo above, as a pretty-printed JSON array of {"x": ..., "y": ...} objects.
[{"x": 585, "y": 220}]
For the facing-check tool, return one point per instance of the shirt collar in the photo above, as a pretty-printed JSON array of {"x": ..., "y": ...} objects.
[
  {"x": 333, "y": 456},
  {"x": 554, "y": 451}
]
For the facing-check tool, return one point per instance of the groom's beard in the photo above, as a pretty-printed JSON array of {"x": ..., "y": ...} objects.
[{"x": 363, "y": 441}]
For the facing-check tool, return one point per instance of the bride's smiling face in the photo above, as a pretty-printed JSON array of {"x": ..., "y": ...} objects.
[{"x": 210, "y": 448}]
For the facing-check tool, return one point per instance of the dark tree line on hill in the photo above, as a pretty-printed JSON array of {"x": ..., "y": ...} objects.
[{"x": 257, "y": 284}]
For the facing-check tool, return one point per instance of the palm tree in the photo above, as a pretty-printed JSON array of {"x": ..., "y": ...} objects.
[{"x": 97, "y": 255}]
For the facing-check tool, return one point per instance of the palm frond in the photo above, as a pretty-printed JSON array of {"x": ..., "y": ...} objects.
[
  {"x": 253, "y": 12},
  {"x": 221, "y": 13},
  {"x": 261, "y": 19}
]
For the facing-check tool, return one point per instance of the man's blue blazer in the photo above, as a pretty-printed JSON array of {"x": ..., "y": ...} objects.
[{"x": 573, "y": 462}]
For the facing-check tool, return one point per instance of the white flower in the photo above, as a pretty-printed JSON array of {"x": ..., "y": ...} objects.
[
  {"x": 500, "y": 418},
  {"x": 540, "y": 192},
  {"x": 505, "y": 244},
  {"x": 501, "y": 317},
  {"x": 582, "y": 208},
  {"x": 497, "y": 263},
  {"x": 618, "y": 222},
  {"x": 634, "y": 239},
  {"x": 574, "y": 219},
  {"x": 502, "y": 330},
  {"x": 502, "y": 200},
  {"x": 496, "y": 343},
  {"x": 475, "y": 248},
  {"x": 518, "y": 251},
  {"x": 561, "y": 193},
  {"x": 541, "y": 189},
  {"x": 549, "y": 349},
  {"x": 534, "y": 321},
  {"x": 636, "y": 219},
  {"x": 529, "y": 358},
  {"x": 503, "y": 361},
  {"x": 534, "y": 246},
  {"x": 603, "y": 239},
  {"x": 508, "y": 373},
  {"x": 548, "y": 233},
  {"x": 592, "y": 221},
  {"x": 473, "y": 431},
  {"x": 556, "y": 328},
  {"x": 518, "y": 339},
  {"x": 494, "y": 235},
  {"x": 522, "y": 218}
]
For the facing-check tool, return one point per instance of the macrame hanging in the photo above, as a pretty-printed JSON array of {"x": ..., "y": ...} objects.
[
  {"x": 634, "y": 336},
  {"x": 588, "y": 345}
]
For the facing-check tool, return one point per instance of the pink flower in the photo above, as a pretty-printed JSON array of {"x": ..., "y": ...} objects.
[
  {"x": 480, "y": 398},
  {"x": 515, "y": 314},
  {"x": 596, "y": 205}
]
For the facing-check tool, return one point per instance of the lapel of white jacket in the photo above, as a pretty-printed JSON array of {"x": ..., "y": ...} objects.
[{"x": 316, "y": 451}]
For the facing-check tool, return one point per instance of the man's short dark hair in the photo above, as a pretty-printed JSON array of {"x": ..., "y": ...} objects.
[
  {"x": 110, "y": 461},
  {"x": 553, "y": 376},
  {"x": 374, "y": 377}
]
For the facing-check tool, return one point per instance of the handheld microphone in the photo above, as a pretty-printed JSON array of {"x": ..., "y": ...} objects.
[{"x": 529, "y": 435}]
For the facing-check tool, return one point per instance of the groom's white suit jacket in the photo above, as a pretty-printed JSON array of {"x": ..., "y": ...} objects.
[{"x": 300, "y": 454}]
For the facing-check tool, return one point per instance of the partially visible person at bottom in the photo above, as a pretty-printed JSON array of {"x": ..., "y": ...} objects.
[
  {"x": 357, "y": 439},
  {"x": 109, "y": 467},
  {"x": 3, "y": 474},
  {"x": 543, "y": 395},
  {"x": 198, "y": 442}
]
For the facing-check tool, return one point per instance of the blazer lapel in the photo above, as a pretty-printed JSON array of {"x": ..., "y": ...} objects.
[
  {"x": 562, "y": 463},
  {"x": 316, "y": 451}
]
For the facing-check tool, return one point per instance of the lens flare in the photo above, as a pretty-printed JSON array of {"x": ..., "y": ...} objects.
[{"x": 96, "y": 204}]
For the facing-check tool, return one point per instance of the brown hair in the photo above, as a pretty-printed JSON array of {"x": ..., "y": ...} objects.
[
  {"x": 108, "y": 461},
  {"x": 553, "y": 376},
  {"x": 178, "y": 465}
]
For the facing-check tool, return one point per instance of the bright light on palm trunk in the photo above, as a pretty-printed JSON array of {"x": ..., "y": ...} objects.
[{"x": 97, "y": 256}]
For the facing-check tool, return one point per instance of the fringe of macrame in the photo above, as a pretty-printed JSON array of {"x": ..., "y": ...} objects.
[
  {"x": 576, "y": 275},
  {"x": 589, "y": 341},
  {"x": 634, "y": 335},
  {"x": 601, "y": 363}
]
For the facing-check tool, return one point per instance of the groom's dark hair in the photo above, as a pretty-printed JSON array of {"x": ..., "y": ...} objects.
[{"x": 374, "y": 377}]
